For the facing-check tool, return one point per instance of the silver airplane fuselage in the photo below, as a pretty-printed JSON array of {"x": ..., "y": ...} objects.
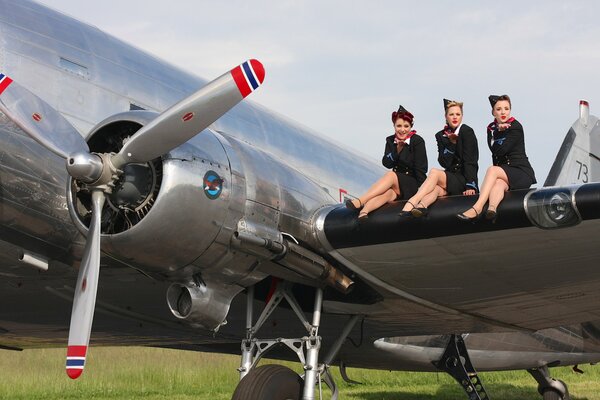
[{"x": 277, "y": 176}]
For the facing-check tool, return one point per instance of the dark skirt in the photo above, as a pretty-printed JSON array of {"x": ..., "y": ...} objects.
[
  {"x": 455, "y": 183},
  {"x": 517, "y": 178},
  {"x": 408, "y": 186}
]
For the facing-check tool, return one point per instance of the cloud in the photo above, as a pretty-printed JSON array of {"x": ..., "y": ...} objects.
[{"x": 341, "y": 67}]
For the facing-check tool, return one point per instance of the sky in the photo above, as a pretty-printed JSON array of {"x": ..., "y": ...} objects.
[{"x": 342, "y": 67}]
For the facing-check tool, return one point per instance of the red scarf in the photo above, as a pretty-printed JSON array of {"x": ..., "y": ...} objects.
[{"x": 410, "y": 134}]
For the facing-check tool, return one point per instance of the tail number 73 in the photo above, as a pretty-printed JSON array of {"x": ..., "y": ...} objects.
[{"x": 583, "y": 172}]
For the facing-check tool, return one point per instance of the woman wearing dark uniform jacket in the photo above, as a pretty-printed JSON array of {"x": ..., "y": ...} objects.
[
  {"x": 405, "y": 154},
  {"x": 511, "y": 169},
  {"x": 458, "y": 154}
]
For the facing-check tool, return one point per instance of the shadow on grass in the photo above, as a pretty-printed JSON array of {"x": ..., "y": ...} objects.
[{"x": 451, "y": 392}]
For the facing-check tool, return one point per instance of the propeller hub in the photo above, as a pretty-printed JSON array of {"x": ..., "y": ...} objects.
[{"x": 85, "y": 167}]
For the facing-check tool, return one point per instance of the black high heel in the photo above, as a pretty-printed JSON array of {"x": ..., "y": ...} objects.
[
  {"x": 418, "y": 212},
  {"x": 407, "y": 213},
  {"x": 491, "y": 215},
  {"x": 463, "y": 217},
  {"x": 350, "y": 205},
  {"x": 362, "y": 217}
]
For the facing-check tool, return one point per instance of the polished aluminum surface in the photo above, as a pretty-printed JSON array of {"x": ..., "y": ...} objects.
[
  {"x": 41, "y": 121},
  {"x": 182, "y": 121},
  {"x": 85, "y": 167},
  {"x": 277, "y": 175}
]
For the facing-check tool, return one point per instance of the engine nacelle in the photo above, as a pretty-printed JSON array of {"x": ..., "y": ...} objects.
[
  {"x": 162, "y": 215},
  {"x": 175, "y": 217}
]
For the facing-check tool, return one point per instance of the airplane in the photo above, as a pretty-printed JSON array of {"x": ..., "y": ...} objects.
[{"x": 125, "y": 180}]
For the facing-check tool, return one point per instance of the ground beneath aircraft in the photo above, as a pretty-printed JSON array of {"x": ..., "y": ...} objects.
[{"x": 145, "y": 373}]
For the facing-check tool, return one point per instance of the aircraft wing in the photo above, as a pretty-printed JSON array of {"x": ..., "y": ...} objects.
[{"x": 535, "y": 267}]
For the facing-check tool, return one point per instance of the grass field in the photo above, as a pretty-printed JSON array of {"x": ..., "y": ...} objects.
[{"x": 142, "y": 373}]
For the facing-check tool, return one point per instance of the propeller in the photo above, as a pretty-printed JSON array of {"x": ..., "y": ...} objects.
[
  {"x": 192, "y": 115},
  {"x": 169, "y": 130},
  {"x": 42, "y": 122},
  {"x": 84, "y": 302}
]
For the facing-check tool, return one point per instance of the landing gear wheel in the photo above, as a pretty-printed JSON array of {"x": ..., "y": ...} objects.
[
  {"x": 552, "y": 395},
  {"x": 270, "y": 382}
]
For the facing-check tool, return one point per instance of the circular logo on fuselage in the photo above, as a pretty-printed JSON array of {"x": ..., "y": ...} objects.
[{"x": 213, "y": 185}]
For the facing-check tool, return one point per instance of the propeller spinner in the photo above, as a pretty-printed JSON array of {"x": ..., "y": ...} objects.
[{"x": 169, "y": 130}]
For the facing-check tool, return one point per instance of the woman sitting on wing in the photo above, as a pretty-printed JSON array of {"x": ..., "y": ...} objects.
[
  {"x": 405, "y": 154},
  {"x": 458, "y": 154},
  {"x": 511, "y": 169}
]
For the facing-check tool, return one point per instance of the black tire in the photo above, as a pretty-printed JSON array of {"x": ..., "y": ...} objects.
[
  {"x": 552, "y": 395},
  {"x": 270, "y": 382}
]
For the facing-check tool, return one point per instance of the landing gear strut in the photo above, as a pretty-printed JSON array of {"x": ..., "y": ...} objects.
[
  {"x": 456, "y": 362},
  {"x": 275, "y": 382},
  {"x": 549, "y": 388}
]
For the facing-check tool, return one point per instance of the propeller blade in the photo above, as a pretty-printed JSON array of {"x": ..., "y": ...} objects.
[
  {"x": 39, "y": 120},
  {"x": 192, "y": 115},
  {"x": 85, "y": 293}
]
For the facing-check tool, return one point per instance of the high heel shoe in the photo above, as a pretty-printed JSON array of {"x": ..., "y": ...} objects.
[
  {"x": 418, "y": 212},
  {"x": 491, "y": 214},
  {"x": 407, "y": 213},
  {"x": 362, "y": 217},
  {"x": 463, "y": 217},
  {"x": 350, "y": 205}
]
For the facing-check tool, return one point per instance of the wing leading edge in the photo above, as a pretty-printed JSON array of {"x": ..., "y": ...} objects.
[{"x": 521, "y": 271}]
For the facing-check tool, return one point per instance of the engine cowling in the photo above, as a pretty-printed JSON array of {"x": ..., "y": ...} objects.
[
  {"x": 175, "y": 217},
  {"x": 161, "y": 215}
]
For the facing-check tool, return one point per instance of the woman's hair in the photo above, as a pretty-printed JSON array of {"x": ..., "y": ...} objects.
[
  {"x": 452, "y": 103},
  {"x": 404, "y": 114},
  {"x": 494, "y": 99}
]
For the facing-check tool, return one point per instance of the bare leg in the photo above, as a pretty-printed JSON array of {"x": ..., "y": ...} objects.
[
  {"x": 386, "y": 182},
  {"x": 497, "y": 194},
  {"x": 435, "y": 179},
  {"x": 432, "y": 197},
  {"x": 492, "y": 174},
  {"x": 377, "y": 201}
]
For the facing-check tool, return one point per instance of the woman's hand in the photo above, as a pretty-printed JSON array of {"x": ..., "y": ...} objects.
[{"x": 469, "y": 192}]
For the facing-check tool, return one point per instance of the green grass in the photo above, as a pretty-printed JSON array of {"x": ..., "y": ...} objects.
[{"x": 143, "y": 373}]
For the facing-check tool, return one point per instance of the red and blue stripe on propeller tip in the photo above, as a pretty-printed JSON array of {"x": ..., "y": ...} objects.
[
  {"x": 4, "y": 82},
  {"x": 75, "y": 361},
  {"x": 248, "y": 76}
]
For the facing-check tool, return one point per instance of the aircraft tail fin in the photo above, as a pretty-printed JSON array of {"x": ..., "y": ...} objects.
[{"x": 578, "y": 160}]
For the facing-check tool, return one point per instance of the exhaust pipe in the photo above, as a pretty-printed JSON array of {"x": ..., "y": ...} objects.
[
  {"x": 300, "y": 260},
  {"x": 305, "y": 262}
]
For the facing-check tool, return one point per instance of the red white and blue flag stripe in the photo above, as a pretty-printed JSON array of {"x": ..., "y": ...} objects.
[
  {"x": 75, "y": 360},
  {"x": 248, "y": 76},
  {"x": 4, "y": 82}
]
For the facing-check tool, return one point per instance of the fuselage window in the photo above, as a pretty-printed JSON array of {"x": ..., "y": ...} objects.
[{"x": 74, "y": 68}]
